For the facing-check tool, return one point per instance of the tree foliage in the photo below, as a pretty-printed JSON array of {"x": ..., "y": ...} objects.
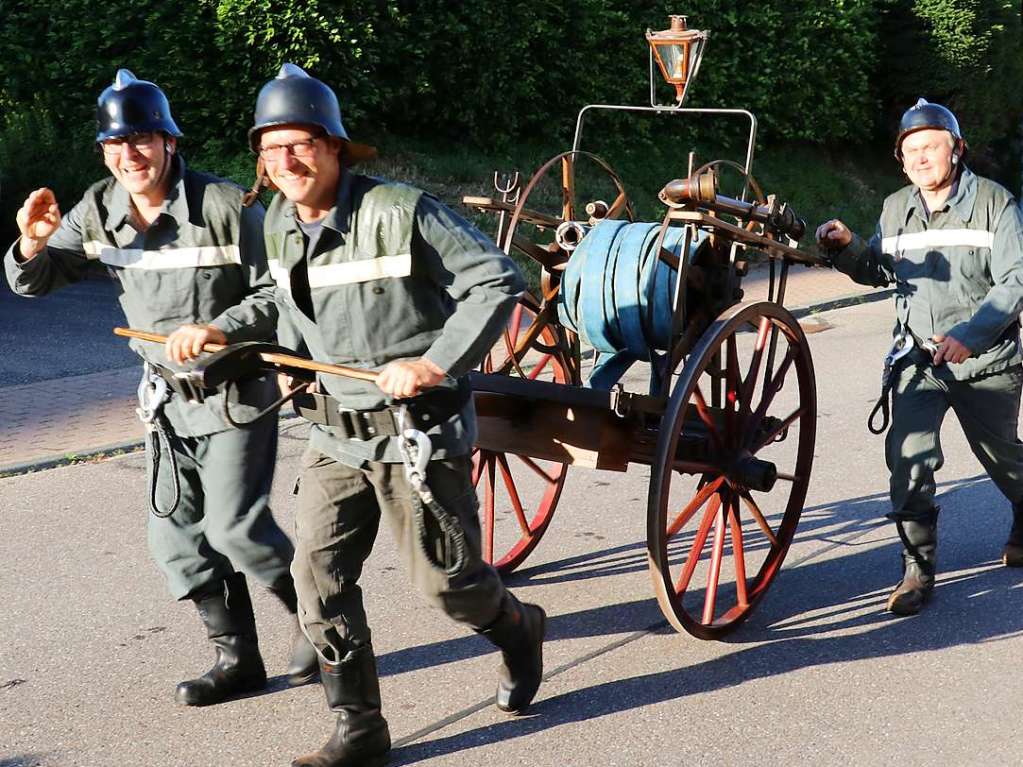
[
  {"x": 965, "y": 54},
  {"x": 496, "y": 72}
]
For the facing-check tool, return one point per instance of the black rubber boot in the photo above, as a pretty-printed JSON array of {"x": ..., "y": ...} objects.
[
  {"x": 1012, "y": 553},
  {"x": 304, "y": 666},
  {"x": 361, "y": 737},
  {"x": 518, "y": 631},
  {"x": 920, "y": 542},
  {"x": 226, "y": 611}
]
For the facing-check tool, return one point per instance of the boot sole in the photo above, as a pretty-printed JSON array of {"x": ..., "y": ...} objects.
[
  {"x": 896, "y": 607},
  {"x": 373, "y": 761},
  {"x": 543, "y": 635},
  {"x": 240, "y": 692}
]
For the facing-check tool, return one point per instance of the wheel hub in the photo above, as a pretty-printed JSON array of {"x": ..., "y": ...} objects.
[{"x": 753, "y": 473}]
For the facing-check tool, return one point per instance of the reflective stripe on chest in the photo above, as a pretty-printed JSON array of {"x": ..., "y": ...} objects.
[
  {"x": 938, "y": 238},
  {"x": 348, "y": 272},
  {"x": 169, "y": 258}
]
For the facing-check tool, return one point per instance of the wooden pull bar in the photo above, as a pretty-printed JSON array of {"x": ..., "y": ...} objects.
[{"x": 286, "y": 360}]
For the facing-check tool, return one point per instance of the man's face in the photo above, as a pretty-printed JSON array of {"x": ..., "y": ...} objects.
[
  {"x": 140, "y": 161},
  {"x": 927, "y": 158},
  {"x": 302, "y": 163}
]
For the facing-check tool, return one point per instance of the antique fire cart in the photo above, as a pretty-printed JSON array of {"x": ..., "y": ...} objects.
[{"x": 727, "y": 421}]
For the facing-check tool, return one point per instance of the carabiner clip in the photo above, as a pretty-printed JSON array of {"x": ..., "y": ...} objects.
[{"x": 415, "y": 448}]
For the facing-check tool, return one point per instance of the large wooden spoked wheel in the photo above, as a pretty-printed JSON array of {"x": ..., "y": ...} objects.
[
  {"x": 518, "y": 494},
  {"x": 732, "y": 466},
  {"x": 559, "y": 192}
]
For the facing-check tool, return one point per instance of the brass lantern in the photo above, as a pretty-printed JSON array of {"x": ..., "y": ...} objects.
[{"x": 678, "y": 51}]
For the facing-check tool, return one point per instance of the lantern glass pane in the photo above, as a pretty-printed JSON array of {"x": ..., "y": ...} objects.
[{"x": 673, "y": 57}]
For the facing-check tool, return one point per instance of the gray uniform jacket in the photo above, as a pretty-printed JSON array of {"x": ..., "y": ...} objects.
[
  {"x": 957, "y": 271},
  {"x": 394, "y": 275},
  {"x": 202, "y": 261}
]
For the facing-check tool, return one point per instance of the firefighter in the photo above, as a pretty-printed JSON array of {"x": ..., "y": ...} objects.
[
  {"x": 189, "y": 261},
  {"x": 381, "y": 275},
  {"x": 952, "y": 244}
]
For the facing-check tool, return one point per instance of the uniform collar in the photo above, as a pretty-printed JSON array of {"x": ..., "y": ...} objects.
[
  {"x": 339, "y": 216},
  {"x": 962, "y": 200},
  {"x": 175, "y": 204}
]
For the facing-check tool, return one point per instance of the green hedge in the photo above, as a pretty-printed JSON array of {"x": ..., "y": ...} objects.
[
  {"x": 967, "y": 54},
  {"x": 496, "y": 73}
]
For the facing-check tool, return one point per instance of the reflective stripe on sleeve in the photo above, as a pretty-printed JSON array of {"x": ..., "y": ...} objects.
[{"x": 170, "y": 258}]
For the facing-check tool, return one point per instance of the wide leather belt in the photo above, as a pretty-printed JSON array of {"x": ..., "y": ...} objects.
[
  {"x": 182, "y": 385},
  {"x": 426, "y": 411},
  {"x": 353, "y": 424}
]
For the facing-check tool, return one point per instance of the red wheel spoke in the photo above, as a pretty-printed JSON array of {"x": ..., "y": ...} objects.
[
  {"x": 777, "y": 382},
  {"x": 742, "y": 597},
  {"x": 761, "y": 520},
  {"x": 704, "y": 414},
  {"x": 479, "y": 460},
  {"x": 620, "y": 204},
  {"x": 714, "y": 571},
  {"x": 488, "y": 514},
  {"x": 694, "y": 505},
  {"x": 539, "y": 470},
  {"x": 754, "y": 365},
  {"x": 513, "y": 494},
  {"x": 567, "y": 189},
  {"x": 697, "y": 548},
  {"x": 539, "y": 367},
  {"x": 786, "y": 423},
  {"x": 514, "y": 324},
  {"x": 733, "y": 383}
]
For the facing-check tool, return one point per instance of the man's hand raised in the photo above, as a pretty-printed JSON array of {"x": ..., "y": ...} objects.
[{"x": 37, "y": 220}]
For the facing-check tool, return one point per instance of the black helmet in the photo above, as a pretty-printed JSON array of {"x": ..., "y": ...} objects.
[
  {"x": 923, "y": 115},
  {"x": 131, "y": 106},
  {"x": 295, "y": 98}
]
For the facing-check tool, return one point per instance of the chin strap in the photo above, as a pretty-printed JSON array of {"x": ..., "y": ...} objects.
[{"x": 262, "y": 182}]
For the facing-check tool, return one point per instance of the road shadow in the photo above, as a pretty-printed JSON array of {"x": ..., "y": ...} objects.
[
  {"x": 837, "y": 524},
  {"x": 823, "y": 611}
]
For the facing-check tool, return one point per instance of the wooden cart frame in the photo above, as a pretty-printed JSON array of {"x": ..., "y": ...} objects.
[{"x": 740, "y": 382}]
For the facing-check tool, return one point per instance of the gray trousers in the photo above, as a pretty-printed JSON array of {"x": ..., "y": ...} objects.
[
  {"x": 987, "y": 408},
  {"x": 339, "y": 510},
  {"x": 223, "y": 521}
]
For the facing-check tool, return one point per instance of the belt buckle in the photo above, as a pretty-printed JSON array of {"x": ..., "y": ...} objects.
[
  {"x": 187, "y": 386},
  {"x": 356, "y": 425}
]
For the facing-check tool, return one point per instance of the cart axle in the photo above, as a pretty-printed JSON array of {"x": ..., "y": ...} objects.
[{"x": 753, "y": 473}]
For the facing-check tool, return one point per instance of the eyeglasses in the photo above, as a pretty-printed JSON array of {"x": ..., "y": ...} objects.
[
  {"x": 303, "y": 148},
  {"x": 137, "y": 141}
]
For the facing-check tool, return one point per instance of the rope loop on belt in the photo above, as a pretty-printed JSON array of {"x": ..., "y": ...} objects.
[
  {"x": 153, "y": 393},
  {"x": 905, "y": 347},
  {"x": 416, "y": 449}
]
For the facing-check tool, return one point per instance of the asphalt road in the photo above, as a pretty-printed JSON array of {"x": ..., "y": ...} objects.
[
  {"x": 62, "y": 334},
  {"x": 91, "y": 647}
]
